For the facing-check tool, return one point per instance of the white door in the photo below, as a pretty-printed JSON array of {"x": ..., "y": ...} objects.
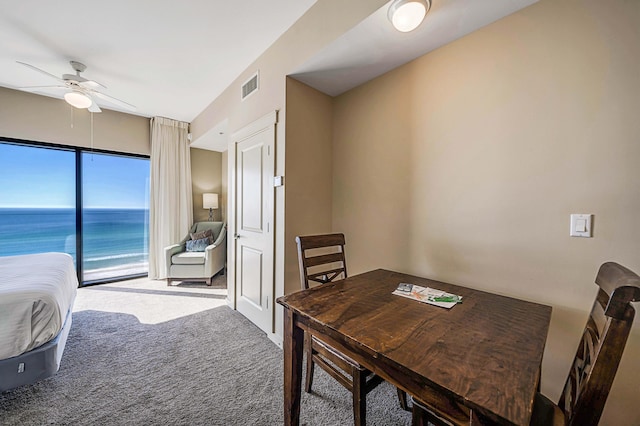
[{"x": 254, "y": 244}]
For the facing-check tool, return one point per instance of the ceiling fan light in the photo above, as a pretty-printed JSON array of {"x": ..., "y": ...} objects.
[
  {"x": 78, "y": 99},
  {"x": 407, "y": 15}
]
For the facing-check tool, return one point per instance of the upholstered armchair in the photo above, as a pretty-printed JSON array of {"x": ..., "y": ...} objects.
[{"x": 191, "y": 261}]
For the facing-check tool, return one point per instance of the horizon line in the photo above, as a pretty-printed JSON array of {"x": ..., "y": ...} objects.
[{"x": 73, "y": 207}]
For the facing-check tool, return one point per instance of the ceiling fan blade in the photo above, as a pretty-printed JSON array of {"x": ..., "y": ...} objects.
[
  {"x": 94, "y": 107},
  {"x": 41, "y": 71},
  {"x": 114, "y": 101},
  {"x": 35, "y": 88},
  {"x": 91, "y": 84}
]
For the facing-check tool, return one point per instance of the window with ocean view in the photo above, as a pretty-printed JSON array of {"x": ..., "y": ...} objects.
[
  {"x": 115, "y": 216},
  {"x": 40, "y": 195},
  {"x": 37, "y": 200}
]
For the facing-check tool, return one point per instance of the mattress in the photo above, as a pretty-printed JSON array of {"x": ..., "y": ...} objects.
[{"x": 37, "y": 292}]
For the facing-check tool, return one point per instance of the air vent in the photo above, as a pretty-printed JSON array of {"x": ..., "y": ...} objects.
[{"x": 250, "y": 86}]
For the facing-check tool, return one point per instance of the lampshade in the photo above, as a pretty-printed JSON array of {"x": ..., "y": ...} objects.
[
  {"x": 406, "y": 15},
  {"x": 78, "y": 99},
  {"x": 209, "y": 201}
]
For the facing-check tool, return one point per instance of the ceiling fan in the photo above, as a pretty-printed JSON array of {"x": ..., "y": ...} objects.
[{"x": 80, "y": 92}]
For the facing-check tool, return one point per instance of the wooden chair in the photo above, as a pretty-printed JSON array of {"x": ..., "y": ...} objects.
[
  {"x": 322, "y": 268},
  {"x": 599, "y": 352},
  {"x": 596, "y": 361}
]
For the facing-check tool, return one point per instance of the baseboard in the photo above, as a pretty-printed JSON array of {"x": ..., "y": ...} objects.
[{"x": 275, "y": 338}]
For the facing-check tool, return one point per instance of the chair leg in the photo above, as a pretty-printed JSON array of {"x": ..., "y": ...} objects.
[
  {"x": 309, "y": 353},
  {"x": 359, "y": 397},
  {"x": 402, "y": 396},
  {"x": 421, "y": 416},
  {"x": 418, "y": 417},
  {"x": 168, "y": 281}
]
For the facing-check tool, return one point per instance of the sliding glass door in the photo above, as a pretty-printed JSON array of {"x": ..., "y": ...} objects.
[
  {"x": 92, "y": 205},
  {"x": 37, "y": 200},
  {"x": 115, "y": 216}
]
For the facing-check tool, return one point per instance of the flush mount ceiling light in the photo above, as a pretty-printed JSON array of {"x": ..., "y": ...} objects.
[
  {"x": 406, "y": 15},
  {"x": 78, "y": 99}
]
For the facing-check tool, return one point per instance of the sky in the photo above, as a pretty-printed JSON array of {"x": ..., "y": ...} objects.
[{"x": 37, "y": 177}]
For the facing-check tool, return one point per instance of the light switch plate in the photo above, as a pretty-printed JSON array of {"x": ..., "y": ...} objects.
[{"x": 580, "y": 225}]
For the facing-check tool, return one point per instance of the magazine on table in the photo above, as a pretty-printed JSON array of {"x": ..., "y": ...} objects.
[{"x": 428, "y": 295}]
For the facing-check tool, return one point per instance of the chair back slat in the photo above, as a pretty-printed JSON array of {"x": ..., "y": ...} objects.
[
  {"x": 324, "y": 259},
  {"x": 600, "y": 350},
  {"x": 317, "y": 241},
  {"x": 597, "y": 314},
  {"x": 321, "y": 268}
]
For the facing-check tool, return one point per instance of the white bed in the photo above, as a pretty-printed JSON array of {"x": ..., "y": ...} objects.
[{"x": 37, "y": 292}]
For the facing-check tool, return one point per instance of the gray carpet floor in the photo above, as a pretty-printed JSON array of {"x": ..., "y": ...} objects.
[{"x": 142, "y": 353}]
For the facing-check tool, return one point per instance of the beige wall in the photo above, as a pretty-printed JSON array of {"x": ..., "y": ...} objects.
[
  {"x": 308, "y": 191},
  {"x": 465, "y": 164},
  {"x": 206, "y": 176},
  {"x": 44, "y": 119}
]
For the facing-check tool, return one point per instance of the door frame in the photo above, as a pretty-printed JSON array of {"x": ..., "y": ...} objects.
[{"x": 267, "y": 122}]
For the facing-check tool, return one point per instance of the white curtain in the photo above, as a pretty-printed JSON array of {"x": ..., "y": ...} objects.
[{"x": 171, "y": 206}]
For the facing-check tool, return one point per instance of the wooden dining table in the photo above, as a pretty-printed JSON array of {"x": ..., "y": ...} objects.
[{"x": 478, "y": 362}]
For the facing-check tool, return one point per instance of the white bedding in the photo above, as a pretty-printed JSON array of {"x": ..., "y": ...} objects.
[{"x": 36, "y": 292}]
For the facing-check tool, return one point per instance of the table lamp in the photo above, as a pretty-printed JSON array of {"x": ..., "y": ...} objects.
[{"x": 210, "y": 201}]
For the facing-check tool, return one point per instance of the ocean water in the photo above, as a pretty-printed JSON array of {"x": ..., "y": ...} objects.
[{"x": 114, "y": 239}]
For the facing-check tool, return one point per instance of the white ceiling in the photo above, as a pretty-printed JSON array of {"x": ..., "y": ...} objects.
[
  {"x": 168, "y": 58},
  {"x": 172, "y": 59},
  {"x": 374, "y": 47}
]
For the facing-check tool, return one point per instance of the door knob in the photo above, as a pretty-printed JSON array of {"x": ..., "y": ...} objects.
[{"x": 236, "y": 236}]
